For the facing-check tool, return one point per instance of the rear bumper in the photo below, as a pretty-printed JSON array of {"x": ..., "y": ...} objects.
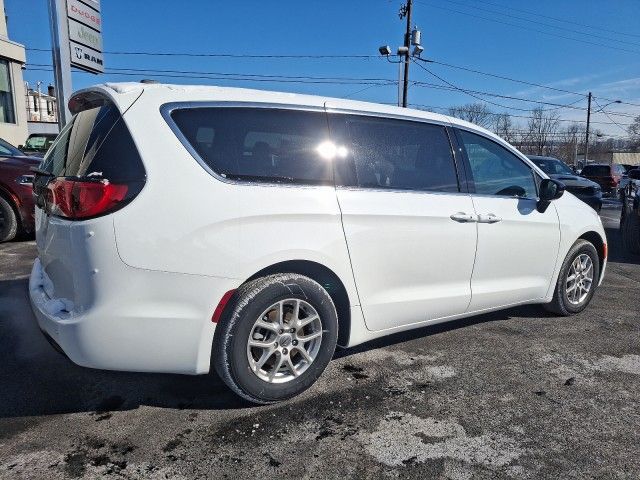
[{"x": 153, "y": 322}]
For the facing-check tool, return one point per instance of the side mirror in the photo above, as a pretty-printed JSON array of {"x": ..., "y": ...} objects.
[
  {"x": 634, "y": 174},
  {"x": 20, "y": 147},
  {"x": 549, "y": 190}
]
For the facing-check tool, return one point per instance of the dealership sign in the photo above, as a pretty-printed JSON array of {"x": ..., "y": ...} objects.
[{"x": 85, "y": 35}]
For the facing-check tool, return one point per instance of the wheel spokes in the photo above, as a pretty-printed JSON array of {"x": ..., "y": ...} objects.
[{"x": 284, "y": 340}]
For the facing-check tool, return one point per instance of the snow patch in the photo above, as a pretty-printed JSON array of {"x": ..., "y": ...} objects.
[{"x": 402, "y": 438}]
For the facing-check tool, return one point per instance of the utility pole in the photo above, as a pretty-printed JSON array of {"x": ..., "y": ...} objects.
[
  {"x": 411, "y": 37},
  {"x": 61, "y": 58},
  {"x": 586, "y": 144},
  {"x": 407, "y": 43}
]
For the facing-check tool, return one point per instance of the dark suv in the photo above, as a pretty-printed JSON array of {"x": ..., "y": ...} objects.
[
  {"x": 630, "y": 216},
  {"x": 586, "y": 190},
  {"x": 607, "y": 176},
  {"x": 16, "y": 195}
]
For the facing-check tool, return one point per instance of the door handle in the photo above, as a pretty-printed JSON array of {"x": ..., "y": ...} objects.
[
  {"x": 463, "y": 217},
  {"x": 488, "y": 218}
]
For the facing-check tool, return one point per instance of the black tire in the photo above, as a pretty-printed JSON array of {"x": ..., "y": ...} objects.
[
  {"x": 560, "y": 304},
  {"x": 631, "y": 233},
  {"x": 229, "y": 354},
  {"x": 8, "y": 221}
]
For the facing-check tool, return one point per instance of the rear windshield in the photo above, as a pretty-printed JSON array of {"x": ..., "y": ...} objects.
[
  {"x": 597, "y": 170},
  {"x": 258, "y": 144},
  {"x": 95, "y": 143}
]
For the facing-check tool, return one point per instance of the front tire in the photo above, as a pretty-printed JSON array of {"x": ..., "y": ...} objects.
[
  {"x": 577, "y": 281},
  {"x": 8, "y": 221},
  {"x": 278, "y": 339}
]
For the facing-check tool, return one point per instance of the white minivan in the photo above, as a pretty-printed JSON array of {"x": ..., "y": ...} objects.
[{"x": 181, "y": 228}]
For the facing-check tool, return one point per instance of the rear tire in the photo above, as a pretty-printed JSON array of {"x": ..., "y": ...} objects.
[
  {"x": 565, "y": 302},
  {"x": 258, "y": 346},
  {"x": 631, "y": 233},
  {"x": 8, "y": 221}
]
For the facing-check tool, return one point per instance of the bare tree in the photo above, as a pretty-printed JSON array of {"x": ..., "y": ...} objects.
[
  {"x": 570, "y": 138},
  {"x": 634, "y": 131},
  {"x": 503, "y": 127},
  {"x": 542, "y": 127},
  {"x": 477, "y": 113}
]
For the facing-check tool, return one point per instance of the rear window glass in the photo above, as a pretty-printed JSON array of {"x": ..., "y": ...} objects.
[
  {"x": 596, "y": 170},
  {"x": 96, "y": 143},
  {"x": 402, "y": 155},
  {"x": 258, "y": 144}
]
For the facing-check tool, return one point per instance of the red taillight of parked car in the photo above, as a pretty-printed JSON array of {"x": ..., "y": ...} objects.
[{"x": 78, "y": 199}]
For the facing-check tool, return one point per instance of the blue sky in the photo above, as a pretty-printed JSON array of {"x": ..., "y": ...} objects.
[{"x": 513, "y": 38}]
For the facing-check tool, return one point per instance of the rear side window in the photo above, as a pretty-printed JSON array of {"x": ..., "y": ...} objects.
[
  {"x": 95, "y": 143},
  {"x": 400, "y": 154},
  {"x": 596, "y": 171},
  {"x": 258, "y": 144}
]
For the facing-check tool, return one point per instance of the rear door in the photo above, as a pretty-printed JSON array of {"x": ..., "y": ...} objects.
[
  {"x": 517, "y": 245},
  {"x": 409, "y": 227}
]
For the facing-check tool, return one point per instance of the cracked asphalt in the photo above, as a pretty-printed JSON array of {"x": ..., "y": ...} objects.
[{"x": 514, "y": 394}]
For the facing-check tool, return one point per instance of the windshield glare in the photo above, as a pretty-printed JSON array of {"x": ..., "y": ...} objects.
[{"x": 553, "y": 167}]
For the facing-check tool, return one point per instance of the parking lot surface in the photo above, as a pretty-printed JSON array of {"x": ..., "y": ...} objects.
[{"x": 513, "y": 394}]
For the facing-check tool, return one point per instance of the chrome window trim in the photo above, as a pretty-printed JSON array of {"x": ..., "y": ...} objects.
[
  {"x": 392, "y": 116},
  {"x": 167, "y": 109}
]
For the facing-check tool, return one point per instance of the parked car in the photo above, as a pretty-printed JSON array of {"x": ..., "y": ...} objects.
[
  {"x": 16, "y": 195},
  {"x": 252, "y": 231},
  {"x": 625, "y": 180},
  {"x": 630, "y": 214},
  {"x": 37, "y": 144},
  {"x": 586, "y": 190},
  {"x": 607, "y": 176}
]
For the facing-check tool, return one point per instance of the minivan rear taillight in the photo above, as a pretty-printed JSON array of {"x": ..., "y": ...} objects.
[{"x": 79, "y": 199}]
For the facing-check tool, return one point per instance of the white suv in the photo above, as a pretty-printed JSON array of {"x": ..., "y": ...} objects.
[{"x": 180, "y": 228}]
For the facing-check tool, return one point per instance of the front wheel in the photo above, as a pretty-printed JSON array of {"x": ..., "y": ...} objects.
[
  {"x": 577, "y": 280},
  {"x": 278, "y": 339}
]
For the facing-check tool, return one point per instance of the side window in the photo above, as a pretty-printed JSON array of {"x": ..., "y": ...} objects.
[
  {"x": 495, "y": 170},
  {"x": 259, "y": 144},
  {"x": 399, "y": 154}
]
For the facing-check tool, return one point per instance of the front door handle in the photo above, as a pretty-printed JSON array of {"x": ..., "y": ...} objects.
[
  {"x": 463, "y": 217},
  {"x": 488, "y": 218}
]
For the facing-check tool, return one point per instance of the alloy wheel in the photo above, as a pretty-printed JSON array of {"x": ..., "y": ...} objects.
[
  {"x": 284, "y": 341},
  {"x": 579, "y": 279}
]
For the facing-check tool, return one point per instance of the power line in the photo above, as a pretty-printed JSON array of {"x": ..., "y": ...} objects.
[
  {"x": 328, "y": 56},
  {"x": 369, "y": 82},
  {"x": 497, "y": 114},
  {"x": 239, "y": 77},
  {"x": 524, "y": 82},
  {"x": 616, "y": 123},
  {"x": 556, "y": 19},
  {"x": 224, "y": 55},
  {"x": 531, "y": 29},
  {"x": 579, "y": 32}
]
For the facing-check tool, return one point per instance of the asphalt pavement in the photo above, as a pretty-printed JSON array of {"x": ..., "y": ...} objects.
[{"x": 514, "y": 394}]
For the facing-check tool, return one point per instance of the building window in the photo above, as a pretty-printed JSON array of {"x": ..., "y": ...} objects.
[
  {"x": 7, "y": 112},
  {"x": 35, "y": 103},
  {"x": 49, "y": 107}
]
